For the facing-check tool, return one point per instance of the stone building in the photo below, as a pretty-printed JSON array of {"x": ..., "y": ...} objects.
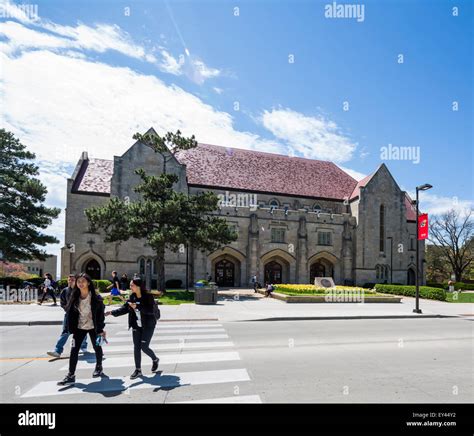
[
  {"x": 295, "y": 218},
  {"x": 41, "y": 267}
]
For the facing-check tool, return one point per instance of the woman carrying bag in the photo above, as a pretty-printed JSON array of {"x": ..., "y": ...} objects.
[
  {"x": 84, "y": 316},
  {"x": 142, "y": 316}
]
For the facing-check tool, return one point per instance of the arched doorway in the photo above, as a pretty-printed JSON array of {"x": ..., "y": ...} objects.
[
  {"x": 273, "y": 272},
  {"x": 225, "y": 273},
  {"x": 317, "y": 270},
  {"x": 93, "y": 269},
  {"x": 411, "y": 277}
]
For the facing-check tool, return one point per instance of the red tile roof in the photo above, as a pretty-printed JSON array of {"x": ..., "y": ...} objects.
[
  {"x": 411, "y": 209},
  {"x": 246, "y": 170},
  {"x": 249, "y": 170},
  {"x": 94, "y": 176},
  {"x": 360, "y": 184}
]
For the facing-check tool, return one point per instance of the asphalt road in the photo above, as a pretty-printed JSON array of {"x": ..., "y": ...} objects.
[{"x": 331, "y": 361}]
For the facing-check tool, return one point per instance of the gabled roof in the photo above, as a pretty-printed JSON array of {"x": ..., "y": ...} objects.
[
  {"x": 256, "y": 171},
  {"x": 355, "y": 193},
  {"x": 94, "y": 176},
  {"x": 411, "y": 208}
]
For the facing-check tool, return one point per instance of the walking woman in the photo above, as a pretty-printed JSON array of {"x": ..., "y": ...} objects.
[
  {"x": 142, "y": 320},
  {"x": 85, "y": 316}
]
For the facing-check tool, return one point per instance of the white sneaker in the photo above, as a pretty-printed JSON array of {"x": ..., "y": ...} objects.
[{"x": 53, "y": 354}]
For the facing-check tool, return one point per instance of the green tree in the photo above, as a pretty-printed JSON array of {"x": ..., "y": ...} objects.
[
  {"x": 22, "y": 212},
  {"x": 162, "y": 216}
]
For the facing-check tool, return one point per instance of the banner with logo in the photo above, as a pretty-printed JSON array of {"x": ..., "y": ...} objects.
[{"x": 423, "y": 227}]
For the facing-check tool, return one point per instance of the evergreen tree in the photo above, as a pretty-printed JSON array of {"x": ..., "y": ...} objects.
[{"x": 22, "y": 212}]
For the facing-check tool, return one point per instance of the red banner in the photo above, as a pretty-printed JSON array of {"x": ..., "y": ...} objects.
[{"x": 423, "y": 227}]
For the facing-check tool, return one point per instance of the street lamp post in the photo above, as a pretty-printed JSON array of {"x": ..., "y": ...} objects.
[{"x": 424, "y": 187}]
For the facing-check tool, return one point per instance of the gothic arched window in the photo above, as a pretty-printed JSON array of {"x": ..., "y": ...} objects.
[{"x": 382, "y": 228}]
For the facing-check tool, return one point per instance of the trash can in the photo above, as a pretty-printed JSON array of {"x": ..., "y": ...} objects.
[{"x": 205, "y": 294}]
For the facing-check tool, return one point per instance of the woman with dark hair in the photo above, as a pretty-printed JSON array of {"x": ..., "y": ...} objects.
[
  {"x": 85, "y": 315},
  {"x": 142, "y": 321}
]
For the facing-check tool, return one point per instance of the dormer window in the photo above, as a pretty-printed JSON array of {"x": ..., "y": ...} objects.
[
  {"x": 274, "y": 203},
  {"x": 317, "y": 208}
]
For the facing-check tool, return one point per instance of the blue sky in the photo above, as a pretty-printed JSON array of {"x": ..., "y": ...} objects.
[{"x": 91, "y": 73}]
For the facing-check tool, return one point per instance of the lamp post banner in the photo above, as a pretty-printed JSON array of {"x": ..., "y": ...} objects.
[{"x": 423, "y": 227}]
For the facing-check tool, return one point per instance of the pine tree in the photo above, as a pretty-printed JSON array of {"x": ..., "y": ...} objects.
[
  {"x": 22, "y": 212},
  {"x": 162, "y": 216}
]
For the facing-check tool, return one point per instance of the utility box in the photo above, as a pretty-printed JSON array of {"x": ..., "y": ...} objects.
[{"x": 205, "y": 294}]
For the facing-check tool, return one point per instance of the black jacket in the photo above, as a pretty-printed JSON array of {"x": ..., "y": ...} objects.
[
  {"x": 98, "y": 313},
  {"x": 64, "y": 297},
  {"x": 145, "y": 307}
]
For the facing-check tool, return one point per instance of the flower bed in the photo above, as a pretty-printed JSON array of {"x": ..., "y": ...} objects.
[{"x": 291, "y": 289}]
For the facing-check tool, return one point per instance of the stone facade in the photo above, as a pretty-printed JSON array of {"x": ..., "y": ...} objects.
[{"x": 282, "y": 238}]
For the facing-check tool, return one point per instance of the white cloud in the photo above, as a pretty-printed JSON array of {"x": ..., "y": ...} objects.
[
  {"x": 218, "y": 90},
  {"x": 353, "y": 173},
  {"x": 169, "y": 64},
  {"x": 311, "y": 137},
  {"x": 436, "y": 205}
]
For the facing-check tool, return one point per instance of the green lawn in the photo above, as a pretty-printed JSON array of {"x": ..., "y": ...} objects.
[
  {"x": 172, "y": 296},
  {"x": 460, "y": 297}
]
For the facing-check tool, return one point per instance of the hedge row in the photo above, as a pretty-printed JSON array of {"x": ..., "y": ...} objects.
[
  {"x": 458, "y": 286},
  {"x": 409, "y": 291}
]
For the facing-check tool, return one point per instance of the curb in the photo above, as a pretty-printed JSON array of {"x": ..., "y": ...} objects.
[{"x": 324, "y": 318}]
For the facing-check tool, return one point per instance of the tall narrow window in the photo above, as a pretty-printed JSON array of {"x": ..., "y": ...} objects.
[{"x": 382, "y": 228}]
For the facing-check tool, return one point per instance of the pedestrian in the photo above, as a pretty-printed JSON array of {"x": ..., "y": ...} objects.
[
  {"x": 270, "y": 289},
  {"x": 115, "y": 288},
  {"x": 124, "y": 282},
  {"x": 254, "y": 283},
  {"x": 142, "y": 320},
  {"x": 48, "y": 288},
  {"x": 85, "y": 316},
  {"x": 63, "y": 299}
]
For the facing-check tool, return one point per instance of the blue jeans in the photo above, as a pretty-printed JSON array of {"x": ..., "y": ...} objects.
[{"x": 63, "y": 338}]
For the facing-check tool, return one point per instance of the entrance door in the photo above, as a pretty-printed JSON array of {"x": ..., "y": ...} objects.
[
  {"x": 93, "y": 269},
  {"x": 225, "y": 271},
  {"x": 411, "y": 277},
  {"x": 273, "y": 272},
  {"x": 317, "y": 270}
]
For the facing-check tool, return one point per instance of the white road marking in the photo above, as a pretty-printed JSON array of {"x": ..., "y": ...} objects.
[
  {"x": 118, "y": 339},
  {"x": 235, "y": 399},
  {"x": 168, "y": 346},
  {"x": 119, "y": 384},
  {"x": 117, "y": 362},
  {"x": 178, "y": 331}
]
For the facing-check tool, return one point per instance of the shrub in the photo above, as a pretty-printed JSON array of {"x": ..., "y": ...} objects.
[
  {"x": 173, "y": 283},
  {"x": 409, "y": 291},
  {"x": 311, "y": 289},
  {"x": 459, "y": 286},
  {"x": 13, "y": 282},
  {"x": 368, "y": 285},
  {"x": 436, "y": 285},
  {"x": 101, "y": 285}
]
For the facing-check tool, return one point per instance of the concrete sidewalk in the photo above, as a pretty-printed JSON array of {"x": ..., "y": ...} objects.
[{"x": 244, "y": 305}]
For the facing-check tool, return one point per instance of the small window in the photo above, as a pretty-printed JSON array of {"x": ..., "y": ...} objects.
[
  {"x": 317, "y": 208},
  {"x": 324, "y": 238},
  {"x": 412, "y": 243},
  {"x": 142, "y": 266},
  {"x": 278, "y": 235},
  {"x": 274, "y": 203}
]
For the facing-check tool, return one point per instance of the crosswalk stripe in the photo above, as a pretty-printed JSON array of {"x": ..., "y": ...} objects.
[
  {"x": 172, "y": 326},
  {"x": 235, "y": 399},
  {"x": 117, "y": 339},
  {"x": 118, "y": 384},
  {"x": 169, "y": 346},
  {"x": 117, "y": 362},
  {"x": 178, "y": 331}
]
